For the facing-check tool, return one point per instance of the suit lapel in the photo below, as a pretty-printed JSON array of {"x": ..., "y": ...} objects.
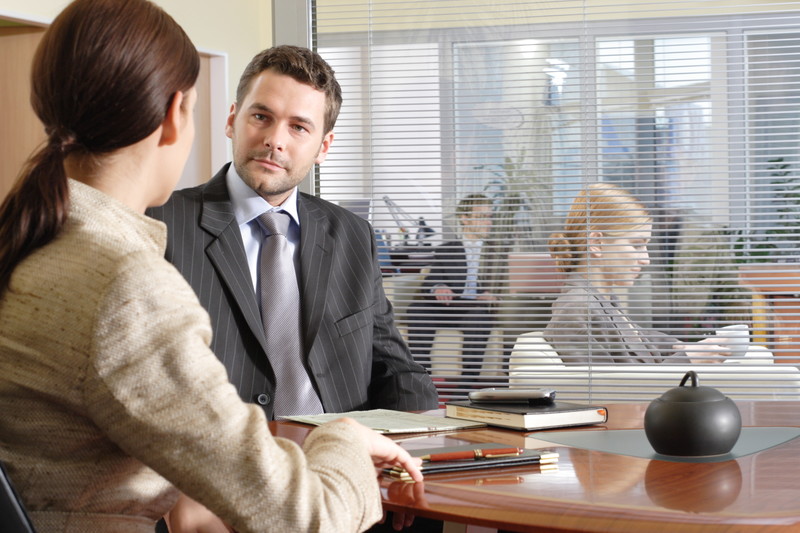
[
  {"x": 316, "y": 245},
  {"x": 226, "y": 252}
]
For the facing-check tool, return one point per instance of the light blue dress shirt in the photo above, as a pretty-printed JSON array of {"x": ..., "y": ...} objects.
[
  {"x": 247, "y": 207},
  {"x": 473, "y": 252}
]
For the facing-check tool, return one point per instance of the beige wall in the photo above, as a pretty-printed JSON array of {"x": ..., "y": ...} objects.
[
  {"x": 365, "y": 15},
  {"x": 238, "y": 28}
]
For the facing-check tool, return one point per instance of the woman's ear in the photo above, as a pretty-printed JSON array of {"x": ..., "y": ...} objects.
[
  {"x": 595, "y": 242},
  {"x": 171, "y": 126}
]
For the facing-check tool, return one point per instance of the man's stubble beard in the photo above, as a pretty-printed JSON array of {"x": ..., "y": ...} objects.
[{"x": 267, "y": 184}]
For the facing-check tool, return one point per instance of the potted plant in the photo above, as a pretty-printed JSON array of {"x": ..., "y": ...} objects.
[{"x": 780, "y": 241}]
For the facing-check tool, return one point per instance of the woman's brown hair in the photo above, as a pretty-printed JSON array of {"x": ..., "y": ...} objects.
[
  {"x": 600, "y": 207},
  {"x": 103, "y": 78}
]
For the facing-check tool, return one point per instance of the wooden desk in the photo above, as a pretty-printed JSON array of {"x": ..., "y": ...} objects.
[{"x": 601, "y": 492}]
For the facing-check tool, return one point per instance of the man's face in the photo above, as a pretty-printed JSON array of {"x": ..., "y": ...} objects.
[
  {"x": 277, "y": 134},
  {"x": 478, "y": 223}
]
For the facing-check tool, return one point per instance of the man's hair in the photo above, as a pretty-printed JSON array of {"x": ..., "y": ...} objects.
[
  {"x": 304, "y": 66},
  {"x": 468, "y": 203}
]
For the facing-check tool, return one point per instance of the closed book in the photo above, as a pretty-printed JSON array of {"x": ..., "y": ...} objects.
[{"x": 528, "y": 417}]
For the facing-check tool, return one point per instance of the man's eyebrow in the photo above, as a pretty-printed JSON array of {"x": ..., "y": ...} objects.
[{"x": 256, "y": 106}]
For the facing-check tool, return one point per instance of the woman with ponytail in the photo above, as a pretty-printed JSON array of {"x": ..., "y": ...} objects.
[
  {"x": 603, "y": 248},
  {"x": 112, "y": 400}
]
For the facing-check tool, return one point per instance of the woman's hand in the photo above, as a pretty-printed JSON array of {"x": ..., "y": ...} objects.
[
  {"x": 386, "y": 453},
  {"x": 189, "y": 516}
]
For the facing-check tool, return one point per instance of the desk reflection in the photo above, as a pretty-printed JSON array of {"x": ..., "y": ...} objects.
[
  {"x": 693, "y": 487},
  {"x": 604, "y": 474}
]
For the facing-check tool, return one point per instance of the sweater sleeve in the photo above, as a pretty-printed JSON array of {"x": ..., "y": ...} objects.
[{"x": 162, "y": 396}]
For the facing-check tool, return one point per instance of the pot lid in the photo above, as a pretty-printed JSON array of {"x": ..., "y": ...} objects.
[{"x": 692, "y": 392}]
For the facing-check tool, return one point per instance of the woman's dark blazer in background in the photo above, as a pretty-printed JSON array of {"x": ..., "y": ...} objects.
[
  {"x": 589, "y": 327},
  {"x": 356, "y": 356}
]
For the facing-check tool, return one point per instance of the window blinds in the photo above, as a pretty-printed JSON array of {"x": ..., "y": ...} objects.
[{"x": 693, "y": 107}]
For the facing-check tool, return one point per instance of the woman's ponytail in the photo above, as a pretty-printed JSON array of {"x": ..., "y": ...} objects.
[{"x": 35, "y": 209}]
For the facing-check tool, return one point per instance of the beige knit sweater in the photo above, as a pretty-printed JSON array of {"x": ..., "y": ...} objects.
[{"x": 110, "y": 398}]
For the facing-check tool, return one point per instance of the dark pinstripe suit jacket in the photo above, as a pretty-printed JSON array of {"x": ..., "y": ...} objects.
[
  {"x": 356, "y": 356},
  {"x": 449, "y": 267}
]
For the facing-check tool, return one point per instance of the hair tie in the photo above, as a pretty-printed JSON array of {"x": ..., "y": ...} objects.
[
  {"x": 61, "y": 141},
  {"x": 64, "y": 146}
]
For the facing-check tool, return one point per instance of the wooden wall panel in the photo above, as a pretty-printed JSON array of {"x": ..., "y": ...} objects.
[{"x": 20, "y": 131}]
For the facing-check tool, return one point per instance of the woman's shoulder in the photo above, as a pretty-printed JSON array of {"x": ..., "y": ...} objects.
[
  {"x": 576, "y": 296},
  {"x": 571, "y": 292},
  {"x": 101, "y": 242}
]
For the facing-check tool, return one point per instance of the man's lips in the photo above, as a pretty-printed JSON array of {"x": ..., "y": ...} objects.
[{"x": 268, "y": 163}]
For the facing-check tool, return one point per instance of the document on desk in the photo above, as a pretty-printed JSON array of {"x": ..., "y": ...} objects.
[{"x": 388, "y": 421}]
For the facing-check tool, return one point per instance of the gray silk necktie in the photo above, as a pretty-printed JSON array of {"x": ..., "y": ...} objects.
[{"x": 280, "y": 313}]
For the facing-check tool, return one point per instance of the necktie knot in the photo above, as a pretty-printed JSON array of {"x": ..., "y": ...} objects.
[{"x": 275, "y": 222}]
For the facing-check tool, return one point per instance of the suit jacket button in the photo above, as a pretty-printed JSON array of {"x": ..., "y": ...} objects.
[{"x": 263, "y": 399}]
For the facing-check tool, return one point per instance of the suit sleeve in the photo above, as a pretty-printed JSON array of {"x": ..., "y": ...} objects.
[{"x": 449, "y": 268}]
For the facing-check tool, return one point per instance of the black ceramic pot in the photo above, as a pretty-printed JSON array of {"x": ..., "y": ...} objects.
[{"x": 692, "y": 421}]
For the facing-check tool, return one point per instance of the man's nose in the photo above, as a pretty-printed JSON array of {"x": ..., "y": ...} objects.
[{"x": 274, "y": 140}]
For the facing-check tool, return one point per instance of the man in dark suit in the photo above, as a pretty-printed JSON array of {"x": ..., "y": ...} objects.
[
  {"x": 460, "y": 292},
  {"x": 286, "y": 105}
]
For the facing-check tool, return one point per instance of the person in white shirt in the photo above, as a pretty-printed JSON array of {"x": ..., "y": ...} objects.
[{"x": 460, "y": 292}]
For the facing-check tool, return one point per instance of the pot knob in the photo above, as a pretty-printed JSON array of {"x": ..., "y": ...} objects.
[{"x": 692, "y": 421}]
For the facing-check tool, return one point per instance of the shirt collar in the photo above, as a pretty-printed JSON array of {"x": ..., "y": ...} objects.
[
  {"x": 248, "y": 205},
  {"x": 472, "y": 243}
]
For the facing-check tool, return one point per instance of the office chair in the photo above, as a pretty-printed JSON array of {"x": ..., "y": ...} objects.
[{"x": 12, "y": 513}]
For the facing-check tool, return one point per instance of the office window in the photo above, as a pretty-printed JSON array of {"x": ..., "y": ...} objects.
[{"x": 692, "y": 108}]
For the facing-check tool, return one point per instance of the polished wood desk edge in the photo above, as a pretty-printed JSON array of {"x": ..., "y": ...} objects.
[{"x": 564, "y": 509}]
